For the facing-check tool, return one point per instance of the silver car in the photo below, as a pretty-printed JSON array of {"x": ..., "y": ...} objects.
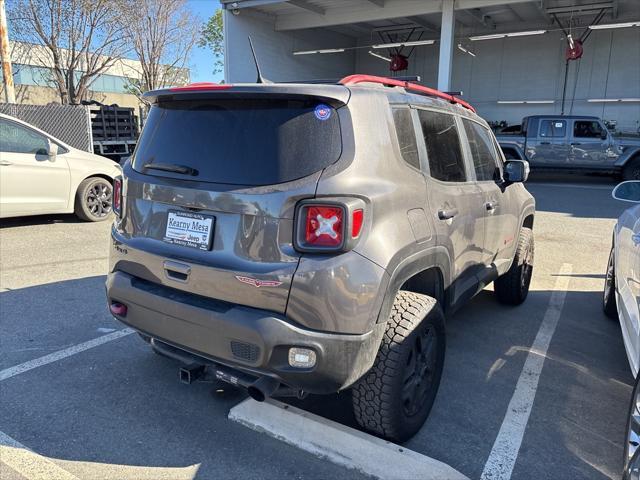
[{"x": 622, "y": 300}]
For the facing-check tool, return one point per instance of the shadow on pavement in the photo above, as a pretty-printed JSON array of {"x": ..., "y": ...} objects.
[
  {"x": 39, "y": 220},
  {"x": 592, "y": 201}
]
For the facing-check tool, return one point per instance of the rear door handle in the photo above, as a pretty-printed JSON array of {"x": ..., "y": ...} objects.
[
  {"x": 5, "y": 163},
  {"x": 636, "y": 239},
  {"x": 447, "y": 214},
  {"x": 575, "y": 143},
  {"x": 545, "y": 143},
  {"x": 491, "y": 206}
]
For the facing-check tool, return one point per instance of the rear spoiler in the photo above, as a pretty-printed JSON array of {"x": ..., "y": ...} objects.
[{"x": 335, "y": 95}]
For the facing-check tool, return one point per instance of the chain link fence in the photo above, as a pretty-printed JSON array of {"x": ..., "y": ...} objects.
[{"x": 69, "y": 123}]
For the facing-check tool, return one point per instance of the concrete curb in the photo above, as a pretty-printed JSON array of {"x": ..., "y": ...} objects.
[{"x": 340, "y": 444}]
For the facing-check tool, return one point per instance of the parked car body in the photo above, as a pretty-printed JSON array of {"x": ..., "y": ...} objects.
[
  {"x": 40, "y": 174},
  {"x": 302, "y": 239},
  {"x": 577, "y": 143},
  {"x": 622, "y": 301}
]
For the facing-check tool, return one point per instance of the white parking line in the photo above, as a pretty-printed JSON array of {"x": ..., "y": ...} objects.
[
  {"x": 27, "y": 463},
  {"x": 340, "y": 444},
  {"x": 505, "y": 449},
  {"x": 60, "y": 354}
]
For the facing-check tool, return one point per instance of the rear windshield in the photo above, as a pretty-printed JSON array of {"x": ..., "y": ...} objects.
[{"x": 239, "y": 141}]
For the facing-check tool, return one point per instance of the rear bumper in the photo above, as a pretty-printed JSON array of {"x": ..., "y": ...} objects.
[{"x": 249, "y": 339}]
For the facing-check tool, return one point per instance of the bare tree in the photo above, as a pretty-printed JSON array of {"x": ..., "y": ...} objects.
[
  {"x": 77, "y": 39},
  {"x": 162, "y": 34}
]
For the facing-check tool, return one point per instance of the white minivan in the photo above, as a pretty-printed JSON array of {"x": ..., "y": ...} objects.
[{"x": 40, "y": 174}]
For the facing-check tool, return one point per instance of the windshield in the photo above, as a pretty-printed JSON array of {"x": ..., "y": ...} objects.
[{"x": 239, "y": 141}]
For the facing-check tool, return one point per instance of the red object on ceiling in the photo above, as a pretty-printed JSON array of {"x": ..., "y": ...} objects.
[
  {"x": 398, "y": 63},
  {"x": 576, "y": 52}
]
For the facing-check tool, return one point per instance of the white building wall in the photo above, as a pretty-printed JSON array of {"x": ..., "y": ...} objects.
[{"x": 274, "y": 51}]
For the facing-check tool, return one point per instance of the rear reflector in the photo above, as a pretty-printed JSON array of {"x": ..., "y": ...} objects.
[
  {"x": 356, "y": 222},
  {"x": 118, "y": 309},
  {"x": 323, "y": 226},
  {"x": 117, "y": 196}
]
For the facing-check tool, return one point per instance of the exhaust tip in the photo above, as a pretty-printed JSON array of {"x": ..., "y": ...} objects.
[
  {"x": 256, "y": 394},
  {"x": 262, "y": 388}
]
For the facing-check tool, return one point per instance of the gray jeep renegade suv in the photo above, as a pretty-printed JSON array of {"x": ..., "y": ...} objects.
[{"x": 309, "y": 238}]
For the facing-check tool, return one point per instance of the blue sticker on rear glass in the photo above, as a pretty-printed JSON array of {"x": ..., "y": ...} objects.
[{"x": 322, "y": 112}]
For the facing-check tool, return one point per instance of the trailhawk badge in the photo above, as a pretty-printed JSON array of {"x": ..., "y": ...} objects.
[{"x": 258, "y": 283}]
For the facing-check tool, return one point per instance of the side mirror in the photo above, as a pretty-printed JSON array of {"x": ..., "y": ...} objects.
[
  {"x": 52, "y": 150},
  {"x": 516, "y": 171},
  {"x": 604, "y": 135},
  {"x": 628, "y": 191}
]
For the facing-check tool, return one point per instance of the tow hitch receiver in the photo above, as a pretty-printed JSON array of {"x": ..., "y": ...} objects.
[{"x": 191, "y": 373}]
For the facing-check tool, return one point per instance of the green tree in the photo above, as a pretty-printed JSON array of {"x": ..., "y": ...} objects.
[{"x": 212, "y": 37}]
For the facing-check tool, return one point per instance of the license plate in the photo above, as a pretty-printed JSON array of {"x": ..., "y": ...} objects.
[{"x": 189, "y": 229}]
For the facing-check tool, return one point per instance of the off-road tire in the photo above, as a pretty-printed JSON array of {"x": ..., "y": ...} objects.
[
  {"x": 512, "y": 288},
  {"x": 83, "y": 209},
  {"x": 609, "y": 295},
  {"x": 631, "y": 171},
  {"x": 378, "y": 402}
]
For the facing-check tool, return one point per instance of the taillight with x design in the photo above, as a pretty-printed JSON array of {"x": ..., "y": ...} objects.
[{"x": 329, "y": 226}]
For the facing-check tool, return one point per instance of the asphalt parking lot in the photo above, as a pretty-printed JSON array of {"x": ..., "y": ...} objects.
[{"x": 116, "y": 410}]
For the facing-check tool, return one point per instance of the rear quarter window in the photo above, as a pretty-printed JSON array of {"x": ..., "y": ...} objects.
[
  {"x": 446, "y": 162},
  {"x": 246, "y": 141},
  {"x": 406, "y": 136}
]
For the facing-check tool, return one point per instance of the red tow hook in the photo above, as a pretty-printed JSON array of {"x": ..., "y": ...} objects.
[{"x": 118, "y": 309}]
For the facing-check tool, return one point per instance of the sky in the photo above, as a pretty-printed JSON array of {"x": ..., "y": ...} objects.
[{"x": 202, "y": 59}]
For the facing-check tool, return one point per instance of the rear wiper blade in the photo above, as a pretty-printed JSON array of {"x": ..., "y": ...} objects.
[{"x": 168, "y": 167}]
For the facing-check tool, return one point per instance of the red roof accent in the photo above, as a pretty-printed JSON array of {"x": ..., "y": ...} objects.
[
  {"x": 432, "y": 92},
  {"x": 200, "y": 86}
]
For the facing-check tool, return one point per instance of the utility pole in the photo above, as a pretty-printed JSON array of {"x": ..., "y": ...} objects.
[{"x": 7, "y": 74}]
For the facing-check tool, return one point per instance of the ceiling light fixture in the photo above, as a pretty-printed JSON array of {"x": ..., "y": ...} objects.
[
  {"x": 404, "y": 44},
  {"x": 377, "y": 55},
  {"x": 503, "y": 35},
  {"x": 520, "y": 102},
  {"x": 326, "y": 50},
  {"x": 612, "y": 100},
  {"x": 462, "y": 49},
  {"x": 615, "y": 25}
]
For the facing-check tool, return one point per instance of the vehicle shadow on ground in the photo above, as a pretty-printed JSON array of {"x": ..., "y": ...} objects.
[
  {"x": 120, "y": 403},
  {"x": 39, "y": 220},
  {"x": 118, "y": 410},
  {"x": 487, "y": 345},
  {"x": 593, "y": 201}
]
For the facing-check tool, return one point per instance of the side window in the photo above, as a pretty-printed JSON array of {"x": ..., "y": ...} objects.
[
  {"x": 482, "y": 151},
  {"x": 443, "y": 146},
  {"x": 15, "y": 138},
  {"x": 587, "y": 129},
  {"x": 553, "y": 128},
  {"x": 406, "y": 136}
]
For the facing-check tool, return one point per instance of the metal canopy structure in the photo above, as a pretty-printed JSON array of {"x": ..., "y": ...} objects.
[
  {"x": 499, "y": 53},
  {"x": 357, "y": 17}
]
